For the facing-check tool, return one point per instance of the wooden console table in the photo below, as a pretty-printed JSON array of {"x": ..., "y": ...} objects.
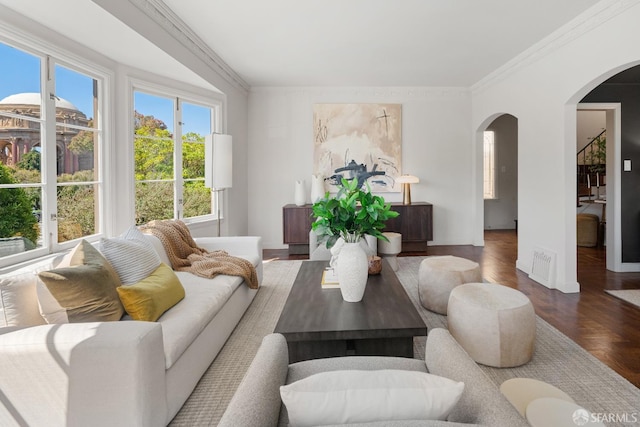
[
  {"x": 415, "y": 223},
  {"x": 296, "y": 224}
]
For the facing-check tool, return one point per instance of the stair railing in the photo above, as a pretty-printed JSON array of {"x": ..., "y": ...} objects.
[{"x": 584, "y": 167}]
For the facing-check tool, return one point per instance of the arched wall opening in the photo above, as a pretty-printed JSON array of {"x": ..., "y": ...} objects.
[
  {"x": 501, "y": 173},
  {"x": 505, "y": 127},
  {"x": 617, "y": 92}
]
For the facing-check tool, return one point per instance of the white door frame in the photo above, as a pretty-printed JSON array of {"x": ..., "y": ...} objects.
[{"x": 614, "y": 192}]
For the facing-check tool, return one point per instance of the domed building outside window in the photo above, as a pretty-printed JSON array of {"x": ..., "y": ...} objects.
[{"x": 19, "y": 136}]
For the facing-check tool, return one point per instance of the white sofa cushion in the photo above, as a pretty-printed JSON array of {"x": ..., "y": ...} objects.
[
  {"x": 19, "y": 301},
  {"x": 354, "y": 396},
  {"x": 184, "y": 322}
]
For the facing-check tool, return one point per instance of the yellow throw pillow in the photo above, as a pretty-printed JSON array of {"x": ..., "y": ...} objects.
[{"x": 151, "y": 297}]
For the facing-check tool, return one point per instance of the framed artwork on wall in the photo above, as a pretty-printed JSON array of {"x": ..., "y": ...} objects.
[{"x": 358, "y": 141}]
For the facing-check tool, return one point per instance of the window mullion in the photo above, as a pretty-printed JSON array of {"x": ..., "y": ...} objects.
[
  {"x": 49, "y": 157},
  {"x": 177, "y": 161}
]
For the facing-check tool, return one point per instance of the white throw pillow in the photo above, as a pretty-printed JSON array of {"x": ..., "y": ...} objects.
[
  {"x": 131, "y": 255},
  {"x": 340, "y": 397},
  {"x": 18, "y": 301}
]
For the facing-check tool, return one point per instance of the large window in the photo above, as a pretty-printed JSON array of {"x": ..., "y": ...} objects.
[
  {"x": 489, "y": 165},
  {"x": 50, "y": 184},
  {"x": 169, "y": 156}
]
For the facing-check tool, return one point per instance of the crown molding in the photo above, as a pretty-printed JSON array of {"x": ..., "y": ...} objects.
[
  {"x": 362, "y": 92},
  {"x": 162, "y": 15},
  {"x": 583, "y": 23}
]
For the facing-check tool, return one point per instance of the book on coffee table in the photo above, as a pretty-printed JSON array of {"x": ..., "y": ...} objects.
[{"x": 329, "y": 279}]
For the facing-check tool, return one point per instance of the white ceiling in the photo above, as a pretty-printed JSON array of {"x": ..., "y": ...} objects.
[
  {"x": 372, "y": 42},
  {"x": 329, "y": 42}
]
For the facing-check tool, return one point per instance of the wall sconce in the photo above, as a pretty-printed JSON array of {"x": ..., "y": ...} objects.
[
  {"x": 406, "y": 181},
  {"x": 218, "y": 171}
]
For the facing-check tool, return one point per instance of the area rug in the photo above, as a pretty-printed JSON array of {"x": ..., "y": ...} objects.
[
  {"x": 557, "y": 359},
  {"x": 631, "y": 296}
]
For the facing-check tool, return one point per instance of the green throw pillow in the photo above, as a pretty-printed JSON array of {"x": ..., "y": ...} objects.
[
  {"x": 151, "y": 297},
  {"x": 86, "y": 289}
]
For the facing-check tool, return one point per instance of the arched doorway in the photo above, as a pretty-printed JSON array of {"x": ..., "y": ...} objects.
[
  {"x": 501, "y": 212},
  {"x": 619, "y": 97},
  {"x": 500, "y": 173}
]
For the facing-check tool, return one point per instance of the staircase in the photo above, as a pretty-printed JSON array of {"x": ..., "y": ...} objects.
[{"x": 591, "y": 164}]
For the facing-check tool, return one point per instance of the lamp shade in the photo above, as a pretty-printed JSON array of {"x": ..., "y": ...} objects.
[
  {"x": 218, "y": 160},
  {"x": 407, "y": 179}
]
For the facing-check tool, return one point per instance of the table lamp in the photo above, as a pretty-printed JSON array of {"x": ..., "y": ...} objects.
[{"x": 406, "y": 181}]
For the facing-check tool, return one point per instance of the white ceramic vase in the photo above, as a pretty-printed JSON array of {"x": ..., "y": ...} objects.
[
  {"x": 299, "y": 198},
  {"x": 352, "y": 270},
  {"x": 317, "y": 188}
]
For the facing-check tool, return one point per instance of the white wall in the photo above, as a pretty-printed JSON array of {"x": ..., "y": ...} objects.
[
  {"x": 436, "y": 147},
  {"x": 541, "y": 89}
]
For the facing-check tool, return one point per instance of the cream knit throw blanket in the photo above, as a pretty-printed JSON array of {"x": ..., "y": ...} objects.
[{"x": 185, "y": 255}]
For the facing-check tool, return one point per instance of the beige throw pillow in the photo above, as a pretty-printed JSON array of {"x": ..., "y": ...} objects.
[{"x": 85, "y": 290}]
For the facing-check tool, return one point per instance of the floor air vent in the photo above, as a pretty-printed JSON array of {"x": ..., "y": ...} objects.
[{"x": 543, "y": 267}]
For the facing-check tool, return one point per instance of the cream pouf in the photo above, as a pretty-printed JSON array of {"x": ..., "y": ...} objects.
[
  {"x": 551, "y": 411},
  {"x": 495, "y": 324},
  {"x": 522, "y": 391},
  {"x": 389, "y": 250},
  {"x": 437, "y": 277}
]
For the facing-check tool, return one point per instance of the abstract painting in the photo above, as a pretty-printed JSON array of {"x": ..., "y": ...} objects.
[{"x": 358, "y": 141}]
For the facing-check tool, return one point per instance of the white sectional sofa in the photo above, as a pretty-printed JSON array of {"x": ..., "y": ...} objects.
[{"x": 123, "y": 373}]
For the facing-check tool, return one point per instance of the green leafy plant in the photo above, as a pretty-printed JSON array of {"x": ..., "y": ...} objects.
[
  {"x": 17, "y": 218},
  {"x": 597, "y": 157},
  {"x": 351, "y": 214}
]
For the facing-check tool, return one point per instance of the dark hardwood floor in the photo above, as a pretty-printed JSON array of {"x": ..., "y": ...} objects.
[{"x": 607, "y": 327}]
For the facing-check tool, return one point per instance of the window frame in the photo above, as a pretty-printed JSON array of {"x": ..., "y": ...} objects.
[
  {"x": 492, "y": 180},
  {"x": 216, "y": 102},
  {"x": 50, "y": 56}
]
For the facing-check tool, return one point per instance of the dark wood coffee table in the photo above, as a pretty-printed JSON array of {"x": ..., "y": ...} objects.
[{"x": 318, "y": 323}]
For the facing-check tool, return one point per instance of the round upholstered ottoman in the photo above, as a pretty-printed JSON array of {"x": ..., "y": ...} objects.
[
  {"x": 495, "y": 324},
  {"x": 389, "y": 250},
  {"x": 438, "y": 275}
]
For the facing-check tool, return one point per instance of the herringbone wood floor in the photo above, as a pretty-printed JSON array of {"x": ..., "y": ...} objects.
[{"x": 605, "y": 326}]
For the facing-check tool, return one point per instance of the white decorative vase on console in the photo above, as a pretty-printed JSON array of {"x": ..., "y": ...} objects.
[
  {"x": 317, "y": 188},
  {"x": 352, "y": 270},
  {"x": 299, "y": 198}
]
